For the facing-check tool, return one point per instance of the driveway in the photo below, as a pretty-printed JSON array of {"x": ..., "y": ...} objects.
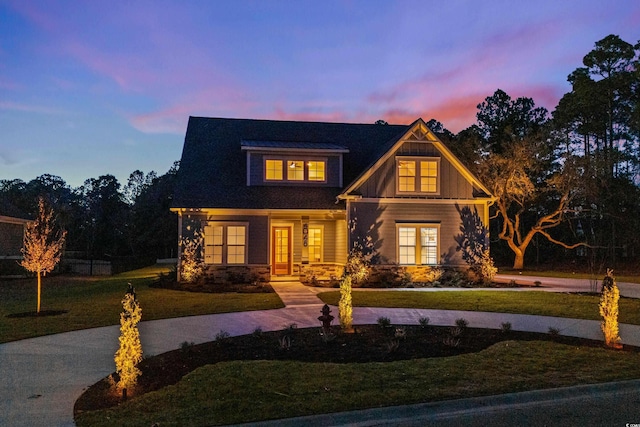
[{"x": 42, "y": 377}]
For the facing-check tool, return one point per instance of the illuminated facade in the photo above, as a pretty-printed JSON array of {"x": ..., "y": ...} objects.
[{"x": 282, "y": 199}]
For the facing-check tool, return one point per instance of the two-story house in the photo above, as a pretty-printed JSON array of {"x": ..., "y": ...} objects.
[{"x": 286, "y": 200}]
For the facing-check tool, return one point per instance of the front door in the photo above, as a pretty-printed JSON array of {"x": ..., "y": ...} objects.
[{"x": 281, "y": 252}]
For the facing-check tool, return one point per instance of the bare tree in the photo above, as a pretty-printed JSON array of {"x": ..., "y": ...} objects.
[{"x": 43, "y": 243}]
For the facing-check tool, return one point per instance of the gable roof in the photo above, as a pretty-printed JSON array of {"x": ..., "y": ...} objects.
[
  {"x": 213, "y": 166},
  {"x": 420, "y": 130}
]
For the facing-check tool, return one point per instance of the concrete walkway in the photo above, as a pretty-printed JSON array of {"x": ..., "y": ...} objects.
[{"x": 42, "y": 377}]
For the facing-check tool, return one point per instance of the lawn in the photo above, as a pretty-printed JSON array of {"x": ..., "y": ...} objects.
[
  {"x": 627, "y": 278},
  {"x": 241, "y": 391},
  {"x": 95, "y": 301},
  {"x": 574, "y": 306}
]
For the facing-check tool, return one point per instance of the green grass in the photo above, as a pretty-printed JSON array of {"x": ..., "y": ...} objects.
[
  {"x": 574, "y": 306},
  {"x": 627, "y": 278},
  {"x": 250, "y": 391},
  {"x": 92, "y": 302}
]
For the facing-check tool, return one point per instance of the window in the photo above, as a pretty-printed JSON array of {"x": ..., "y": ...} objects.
[
  {"x": 417, "y": 176},
  {"x": 407, "y": 245},
  {"x": 295, "y": 170},
  {"x": 417, "y": 245},
  {"x": 273, "y": 170},
  {"x": 315, "y": 244},
  {"x": 235, "y": 244},
  {"x": 316, "y": 170},
  {"x": 213, "y": 245},
  {"x": 428, "y": 245},
  {"x": 406, "y": 175},
  {"x": 428, "y": 176},
  {"x": 225, "y": 244}
]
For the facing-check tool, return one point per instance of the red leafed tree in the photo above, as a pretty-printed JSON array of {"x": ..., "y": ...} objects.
[{"x": 43, "y": 242}]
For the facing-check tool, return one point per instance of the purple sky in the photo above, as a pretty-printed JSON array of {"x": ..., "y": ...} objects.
[{"x": 95, "y": 87}]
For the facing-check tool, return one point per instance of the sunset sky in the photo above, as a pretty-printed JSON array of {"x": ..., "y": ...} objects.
[{"x": 89, "y": 88}]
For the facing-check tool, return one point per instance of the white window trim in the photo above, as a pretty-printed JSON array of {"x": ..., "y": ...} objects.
[
  {"x": 225, "y": 245},
  {"x": 417, "y": 192},
  {"x": 417, "y": 226}
]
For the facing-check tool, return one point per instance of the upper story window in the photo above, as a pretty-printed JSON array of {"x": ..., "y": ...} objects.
[
  {"x": 316, "y": 170},
  {"x": 273, "y": 170},
  {"x": 295, "y": 170},
  {"x": 416, "y": 175}
]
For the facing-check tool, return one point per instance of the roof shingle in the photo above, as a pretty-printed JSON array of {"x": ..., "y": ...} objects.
[{"x": 213, "y": 166}]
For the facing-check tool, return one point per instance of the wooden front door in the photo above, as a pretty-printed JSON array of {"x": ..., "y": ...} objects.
[{"x": 281, "y": 251}]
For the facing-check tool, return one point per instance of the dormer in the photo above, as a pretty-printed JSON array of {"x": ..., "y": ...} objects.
[{"x": 278, "y": 163}]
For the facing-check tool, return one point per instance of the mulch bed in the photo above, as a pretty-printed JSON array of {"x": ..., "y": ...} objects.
[{"x": 369, "y": 343}]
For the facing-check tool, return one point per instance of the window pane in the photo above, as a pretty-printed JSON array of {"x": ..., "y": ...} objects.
[
  {"x": 315, "y": 244},
  {"x": 273, "y": 170},
  {"x": 429, "y": 245},
  {"x": 235, "y": 235},
  {"x": 316, "y": 171},
  {"x": 213, "y": 244},
  {"x": 428, "y": 176},
  {"x": 406, "y": 175},
  {"x": 407, "y": 245},
  {"x": 407, "y": 255},
  {"x": 295, "y": 170},
  {"x": 407, "y": 236},
  {"x": 235, "y": 255}
]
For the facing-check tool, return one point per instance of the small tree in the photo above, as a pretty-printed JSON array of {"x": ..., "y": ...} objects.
[
  {"x": 129, "y": 353},
  {"x": 345, "y": 305},
  {"x": 42, "y": 245},
  {"x": 191, "y": 261},
  {"x": 609, "y": 311}
]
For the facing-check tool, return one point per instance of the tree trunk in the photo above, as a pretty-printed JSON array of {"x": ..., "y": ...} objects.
[
  {"x": 39, "y": 287},
  {"x": 518, "y": 262}
]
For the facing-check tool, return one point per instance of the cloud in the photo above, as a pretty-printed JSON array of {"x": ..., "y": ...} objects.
[
  {"x": 15, "y": 106},
  {"x": 311, "y": 116}
]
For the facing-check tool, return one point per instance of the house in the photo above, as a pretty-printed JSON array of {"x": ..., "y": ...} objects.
[
  {"x": 11, "y": 239},
  {"x": 286, "y": 199}
]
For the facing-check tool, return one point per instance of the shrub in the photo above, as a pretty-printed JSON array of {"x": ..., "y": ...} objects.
[
  {"x": 257, "y": 332},
  {"x": 451, "y": 341},
  {"x": 456, "y": 331},
  {"x": 222, "y": 335},
  {"x": 285, "y": 342},
  {"x": 433, "y": 274},
  {"x": 423, "y": 321},
  {"x": 326, "y": 335},
  {"x": 487, "y": 269},
  {"x": 462, "y": 323},
  {"x": 384, "y": 322},
  {"x": 400, "y": 333},
  {"x": 609, "y": 311},
  {"x": 554, "y": 331},
  {"x": 505, "y": 327},
  {"x": 393, "y": 345}
]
